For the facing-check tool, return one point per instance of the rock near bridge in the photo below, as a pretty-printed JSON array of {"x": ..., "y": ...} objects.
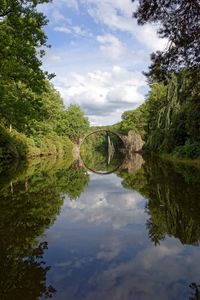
[{"x": 133, "y": 142}]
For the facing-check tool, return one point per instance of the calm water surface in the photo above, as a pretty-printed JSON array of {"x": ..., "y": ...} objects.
[{"x": 71, "y": 234}]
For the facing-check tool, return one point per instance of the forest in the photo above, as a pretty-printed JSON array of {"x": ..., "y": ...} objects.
[
  {"x": 169, "y": 119},
  {"x": 33, "y": 118}
]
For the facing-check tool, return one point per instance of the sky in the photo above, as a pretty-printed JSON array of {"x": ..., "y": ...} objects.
[{"x": 98, "y": 53}]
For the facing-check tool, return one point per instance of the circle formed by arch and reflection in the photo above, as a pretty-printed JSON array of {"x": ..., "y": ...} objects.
[{"x": 102, "y": 152}]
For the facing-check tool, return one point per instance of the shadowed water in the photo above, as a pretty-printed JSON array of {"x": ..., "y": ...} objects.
[{"x": 67, "y": 233}]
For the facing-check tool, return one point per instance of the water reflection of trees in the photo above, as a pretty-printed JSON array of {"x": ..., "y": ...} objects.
[
  {"x": 195, "y": 295},
  {"x": 73, "y": 181},
  {"x": 173, "y": 194},
  {"x": 30, "y": 199}
]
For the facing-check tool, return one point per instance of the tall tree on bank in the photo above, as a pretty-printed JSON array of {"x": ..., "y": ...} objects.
[
  {"x": 22, "y": 42},
  {"x": 74, "y": 124},
  {"x": 179, "y": 22}
]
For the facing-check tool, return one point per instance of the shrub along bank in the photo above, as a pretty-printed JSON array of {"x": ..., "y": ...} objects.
[{"x": 17, "y": 145}]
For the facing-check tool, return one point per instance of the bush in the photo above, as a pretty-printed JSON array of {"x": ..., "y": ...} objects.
[
  {"x": 17, "y": 145},
  {"x": 189, "y": 150},
  {"x": 52, "y": 144}
]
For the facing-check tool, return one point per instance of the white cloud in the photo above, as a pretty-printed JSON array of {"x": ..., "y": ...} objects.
[
  {"x": 99, "y": 206},
  {"x": 63, "y": 29},
  {"x": 75, "y": 30},
  {"x": 103, "y": 94},
  {"x": 57, "y": 17},
  {"x": 99, "y": 34},
  {"x": 147, "y": 35},
  {"x": 68, "y": 3},
  {"x": 111, "y": 46},
  {"x": 117, "y": 15}
]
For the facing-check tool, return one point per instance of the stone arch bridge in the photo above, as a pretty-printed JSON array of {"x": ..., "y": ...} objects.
[{"x": 133, "y": 142}]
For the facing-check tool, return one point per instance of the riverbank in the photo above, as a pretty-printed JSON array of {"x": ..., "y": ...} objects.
[{"x": 15, "y": 145}]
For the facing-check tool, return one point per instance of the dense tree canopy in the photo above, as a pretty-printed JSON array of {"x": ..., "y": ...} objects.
[
  {"x": 29, "y": 105},
  {"x": 74, "y": 124},
  {"x": 133, "y": 120},
  {"x": 22, "y": 40},
  {"x": 179, "y": 22},
  {"x": 171, "y": 111}
]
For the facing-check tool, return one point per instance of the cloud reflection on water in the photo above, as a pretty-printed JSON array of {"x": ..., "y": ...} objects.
[{"x": 104, "y": 251}]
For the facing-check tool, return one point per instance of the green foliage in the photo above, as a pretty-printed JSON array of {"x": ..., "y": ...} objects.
[
  {"x": 47, "y": 110},
  {"x": 29, "y": 104},
  {"x": 29, "y": 112},
  {"x": 26, "y": 213},
  {"x": 133, "y": 120},
  {"x": 21, "y": 38},
  {"x": 21, "y": 78},
  {"x": 94, "y": 142},
  {"x": 73, "y": 181},
  {"x": 173, "y": 103},
  {"x": 16, "y": 145},
  {"x": 178, "y": 22},
  {"x": 74, "y": 124},
  {"x": 30, "y": 199},
  {"x": 167, "y": 188},
  {"x": 172, "y": 118},
  {"x": 189, "y": 150},
  {"x": 31, "y": 196}
]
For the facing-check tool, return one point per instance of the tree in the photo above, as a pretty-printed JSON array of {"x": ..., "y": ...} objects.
[
  {"x": 134, "y": 120},
  {"x": 46, "y": 113},
  {"x": 30, "y": 112},
  {"x": 22, "y": 40},
  {"x": 74, "y": 124},
  {"x": 179, "y": 22}
]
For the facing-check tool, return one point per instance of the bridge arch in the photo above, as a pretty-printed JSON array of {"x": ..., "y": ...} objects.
[
  {"x": 97, "y": 131},
  {"x": 101, "y": 172},
  {"x": 102, "y": 130},
  {"x": 132, "y": 142}
]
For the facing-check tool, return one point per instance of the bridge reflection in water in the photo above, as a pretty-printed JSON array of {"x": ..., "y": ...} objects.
[
  {"x": 105, "y": 152},
  {"x": 131, "y": 163}
]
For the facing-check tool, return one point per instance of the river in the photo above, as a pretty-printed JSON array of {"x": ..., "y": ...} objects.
[{"x": 69, "y": 233}]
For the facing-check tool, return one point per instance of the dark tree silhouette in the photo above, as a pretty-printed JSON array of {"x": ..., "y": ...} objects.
[{"x": 179, "y": 22}]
